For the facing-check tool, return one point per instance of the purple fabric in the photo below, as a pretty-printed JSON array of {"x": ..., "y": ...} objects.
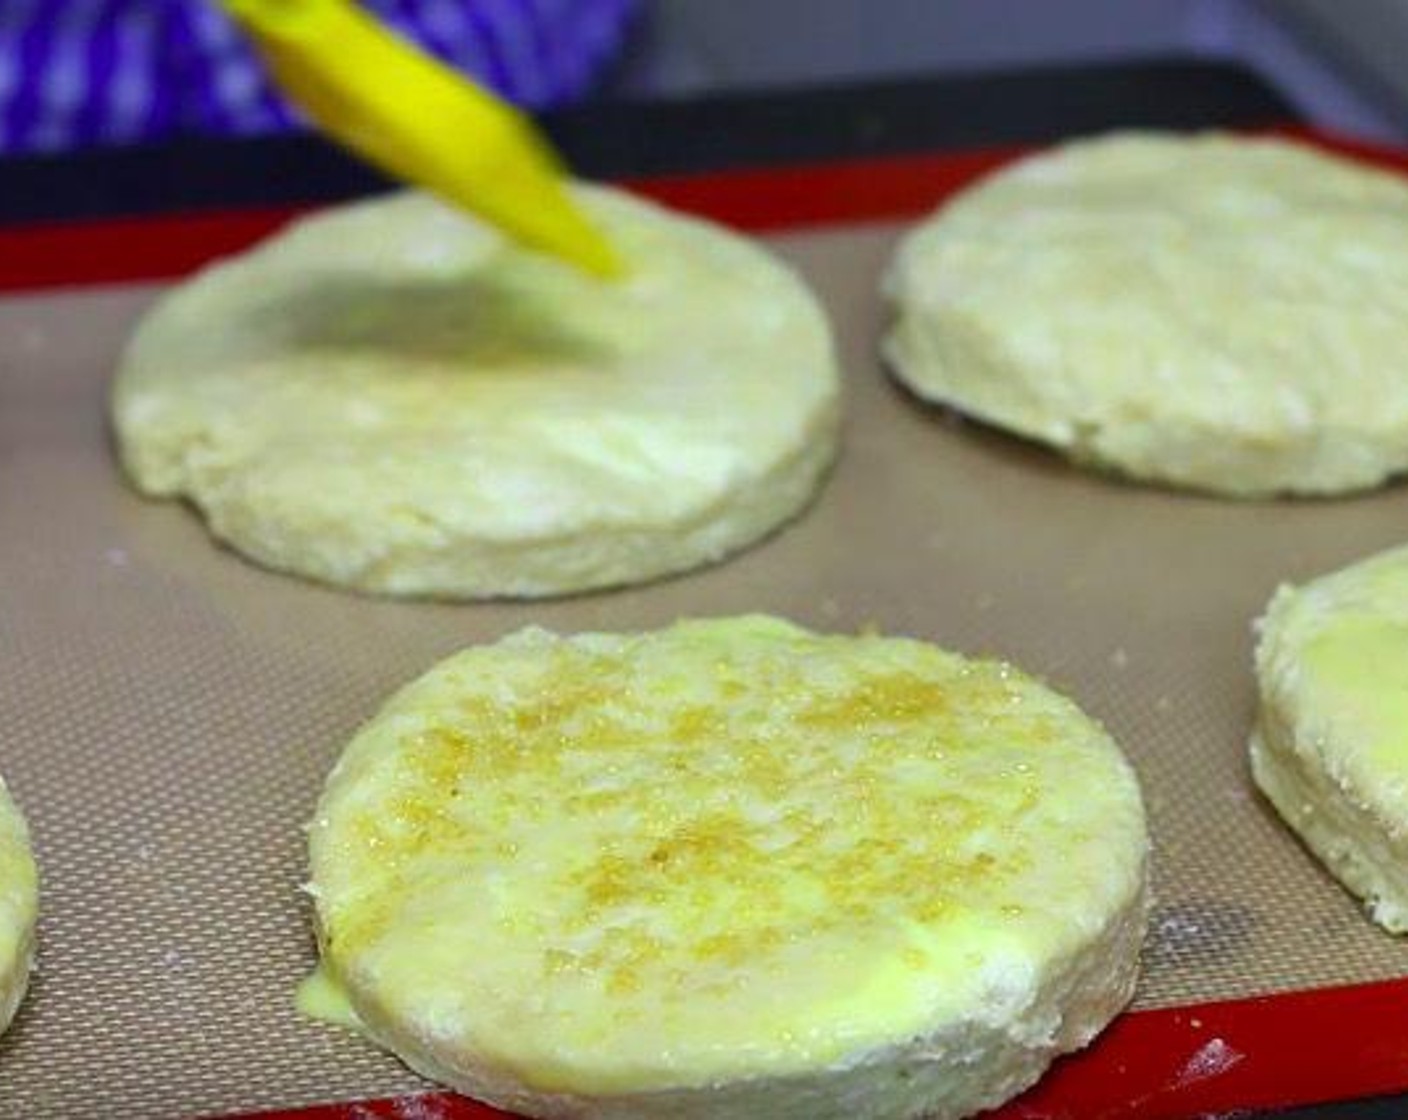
[{"x": 75, "y": 73}]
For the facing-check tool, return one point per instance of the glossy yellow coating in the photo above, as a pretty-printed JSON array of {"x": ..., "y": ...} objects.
[
  {"x": 730, "y": 849},
  {"x": 1331, "y": 746},
  {"x": 1360, "y": 666}
]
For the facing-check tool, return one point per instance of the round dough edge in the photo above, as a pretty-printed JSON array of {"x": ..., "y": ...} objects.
[
  {"x": 1329, "y": 750},
  {"x": 19, "y": 907},
  {"x": 1211, "y": 312},
  {"x": 870, "y": 1013},
  {"x": 384, "y": 396}
]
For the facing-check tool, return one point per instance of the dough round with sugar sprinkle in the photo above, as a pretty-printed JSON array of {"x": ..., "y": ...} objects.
[
  {"x": 1211, "y": 312},
  {"x": 389, "y": 397},
  {"x": 19, "y": 907},
  {"x": 730, "y": 868},
  {"x": 1330, "y": 749}
]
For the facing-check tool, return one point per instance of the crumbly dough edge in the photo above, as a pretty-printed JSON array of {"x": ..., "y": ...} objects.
[
  {"x": 1174, "y": 450},
  {"x": 469, "y": 567},
  {"x": 1366, "y": 853},
  {"x": 940, "y": 355},
  {"x": 14, "y": 980},
  {"x": 954, "y": 1071},
  {"x": 464, "y": 566},
  {"x": 15, "y": 972}
]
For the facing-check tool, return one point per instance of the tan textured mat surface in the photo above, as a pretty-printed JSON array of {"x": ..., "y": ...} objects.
[{"x": 168, "y": 711}]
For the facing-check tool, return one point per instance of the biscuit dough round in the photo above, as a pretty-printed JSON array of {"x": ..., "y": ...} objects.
[
  {"x": 1211, "y": 312},
  {"x": 730, "y": 868},
  {"x": 387, "y": 396},
  {"x": 1330, "y": 749},
  {"x": 19, "y": 907}
]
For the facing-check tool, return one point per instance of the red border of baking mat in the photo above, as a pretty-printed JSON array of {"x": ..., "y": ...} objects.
[{"x": 1273, "y": 1051}]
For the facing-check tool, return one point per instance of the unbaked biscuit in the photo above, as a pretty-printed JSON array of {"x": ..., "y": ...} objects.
[
  {"x": 731, "y": 868},
  {"x": 19, "y": 907},
  {"x": 1213, "y": 312},
  {"x": 1330, "y": 748},
  {"x": 389, "y": 397}
]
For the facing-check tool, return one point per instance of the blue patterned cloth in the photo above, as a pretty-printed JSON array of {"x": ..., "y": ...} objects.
[{"x": 76, "y": 73}]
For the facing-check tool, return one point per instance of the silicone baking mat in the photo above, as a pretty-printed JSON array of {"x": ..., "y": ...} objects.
[{"x": 168, "y": 710}]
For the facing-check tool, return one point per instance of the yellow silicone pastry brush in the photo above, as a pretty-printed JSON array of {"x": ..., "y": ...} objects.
[{"x": 423, "y": 122}]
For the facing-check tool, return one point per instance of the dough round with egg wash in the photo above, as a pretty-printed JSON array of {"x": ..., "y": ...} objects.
[
  {"x": 730, "y": 868},
  {"x": 1330, "y": 747},
  {"x": 390, "y": 397},
  {"x": 1213, "y": 312},
  {"x": 19, "y": 907}
]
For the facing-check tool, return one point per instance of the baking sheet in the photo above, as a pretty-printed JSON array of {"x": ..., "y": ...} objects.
[{"x": 168, "y": 710}]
